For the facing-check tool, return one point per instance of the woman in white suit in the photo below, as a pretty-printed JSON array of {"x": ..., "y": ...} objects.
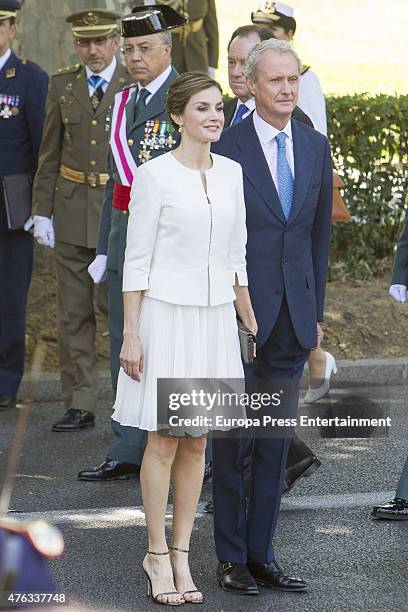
[{"x": 184, "y": 271}]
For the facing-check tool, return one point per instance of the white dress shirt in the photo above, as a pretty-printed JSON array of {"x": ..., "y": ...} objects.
[
  {"x": 266, "y": 134},
  {"x": 155, "y": 85},
  {"x": 183, "y": 247},
  {"x": 4, "y": 58},
  {"x": 311, "y": 101},
  {"x": 106, "y": 74},
  {"x": 249, "y": 103}
]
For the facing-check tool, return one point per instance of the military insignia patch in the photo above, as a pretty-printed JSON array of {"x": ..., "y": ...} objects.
[
  {"x": 91, "y": 19},
  {"x": 269, "y": 6},
  {"x": 10, "y": 73}
]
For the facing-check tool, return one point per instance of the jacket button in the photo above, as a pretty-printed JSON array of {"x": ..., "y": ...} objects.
[
  {"x": 285, "y": 262},
  {"x": 94, "y": 122},
  {"x": 130, "y": 141},
  {"x": 93, "y": 141},
  {"x": 93, "y": 163}
]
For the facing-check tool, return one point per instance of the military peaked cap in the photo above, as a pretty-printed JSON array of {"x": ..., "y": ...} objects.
[
  {"x": 93, "y": 23},
  {"x": 8, "y": 9}
]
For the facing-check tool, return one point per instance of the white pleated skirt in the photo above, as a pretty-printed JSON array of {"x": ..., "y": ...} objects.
[{"x": 178, "y": 342}]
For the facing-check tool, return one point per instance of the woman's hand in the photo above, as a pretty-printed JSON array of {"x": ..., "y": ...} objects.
[
  {"x": 250, "y": 323},
  {"x": 131, "y": 356}
]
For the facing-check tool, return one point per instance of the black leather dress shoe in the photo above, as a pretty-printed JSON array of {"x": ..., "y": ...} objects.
[
  {"x": 236, "y": 578},
  {"x": 110, "y": 470},
  {"x": 207, "y": 471},
  {"x": 303, "y": 469},
  {"x": 75, "y": 419},
  {"x": 7, "y": 401},
  {"x": 271, "y": 575},
  {"x": 395, "y": 510}
]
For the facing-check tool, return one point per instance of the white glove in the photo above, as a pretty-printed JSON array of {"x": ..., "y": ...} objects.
[
  {"x": 212, "y": 71},
  {"x": 44, "y": 231},
  {"x": 398, "y": 293},
  {"x": 97, "y": 269}
]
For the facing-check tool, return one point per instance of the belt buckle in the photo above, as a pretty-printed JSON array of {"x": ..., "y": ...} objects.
[{"x": 92, "y": 179}]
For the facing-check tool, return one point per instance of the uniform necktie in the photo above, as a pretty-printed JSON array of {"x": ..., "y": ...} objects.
[
  {"x": 239, "y": 115},
  {"x": 97, "y": 82},
  {"x": 141, "y": 100},
  {"x": 285, "y": 177}
]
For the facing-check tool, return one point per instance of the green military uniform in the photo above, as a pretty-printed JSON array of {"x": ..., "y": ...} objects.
[
  {"x": 69, "y": 186},
  {"x": 196, "y": 45}
]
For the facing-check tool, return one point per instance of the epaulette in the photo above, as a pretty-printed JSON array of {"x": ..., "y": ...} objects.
[
  {"x": 29, "y": 64},
  {"x": 305, "y": 69},
  {"x": 67, "y": 69}
]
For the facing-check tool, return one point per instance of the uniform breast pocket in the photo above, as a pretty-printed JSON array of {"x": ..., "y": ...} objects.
[{"x": 70, "y": 119}]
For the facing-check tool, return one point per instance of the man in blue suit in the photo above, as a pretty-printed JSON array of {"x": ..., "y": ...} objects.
[
  {"x": 288, "y": 193},
  {"x": 23, "y": 90}
]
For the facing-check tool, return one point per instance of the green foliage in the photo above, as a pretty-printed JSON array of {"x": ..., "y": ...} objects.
[{"x": 368, "y": 137}]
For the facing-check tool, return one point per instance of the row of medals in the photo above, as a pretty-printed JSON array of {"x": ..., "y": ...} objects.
[
  {"x": 9, "y": 106},
  {"x": 158, "y": 135}
]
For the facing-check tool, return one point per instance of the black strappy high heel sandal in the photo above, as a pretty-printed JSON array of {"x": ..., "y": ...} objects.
[
  {"x": 150, "y": 588},
  {"x": 188, "y": 601}
]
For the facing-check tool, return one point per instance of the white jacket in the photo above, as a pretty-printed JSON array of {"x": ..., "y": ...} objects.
[{"x": 181, "y": 247}]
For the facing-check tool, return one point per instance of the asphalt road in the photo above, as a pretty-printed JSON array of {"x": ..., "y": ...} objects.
[{"x": 324, "y": 532}]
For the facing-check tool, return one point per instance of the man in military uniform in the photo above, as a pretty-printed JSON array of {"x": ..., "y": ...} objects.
[
  {"x": 279, "y": 17},
  {"x": 23, "y": 90},
  {"x": 68, "y": 192},
  {"x": 196, "y": 44},
  {"x": 141, "y": 130}
]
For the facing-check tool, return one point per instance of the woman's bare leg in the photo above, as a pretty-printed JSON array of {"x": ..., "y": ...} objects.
[
  {"x": 187, "y": 481},
  {"x": 155, "y": 482}
]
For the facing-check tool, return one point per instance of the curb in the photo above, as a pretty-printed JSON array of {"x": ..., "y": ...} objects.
[{"x": 388, "y": 371}]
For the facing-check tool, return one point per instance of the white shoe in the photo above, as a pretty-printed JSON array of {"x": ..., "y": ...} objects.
[{"x": 312, "y": 395}]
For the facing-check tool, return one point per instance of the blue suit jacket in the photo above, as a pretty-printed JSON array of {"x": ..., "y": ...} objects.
[
  {"x": 25, "y": 84},
  {"x": 285, "y": 256}
]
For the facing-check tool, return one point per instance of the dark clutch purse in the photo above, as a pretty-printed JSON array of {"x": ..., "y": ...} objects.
[
  {"x": 247, "y": 340},
  {"x": 17, "y": 193}
]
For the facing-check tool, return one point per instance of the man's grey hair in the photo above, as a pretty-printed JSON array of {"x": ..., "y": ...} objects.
[
  {"x": 166, "y": 37},
  {"x": 278, "y": 46}
]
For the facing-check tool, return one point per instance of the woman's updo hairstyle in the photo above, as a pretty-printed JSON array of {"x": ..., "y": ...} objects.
[{"x": 185, "y": 87}]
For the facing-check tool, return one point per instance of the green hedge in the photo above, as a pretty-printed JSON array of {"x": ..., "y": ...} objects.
[{"x": 368, "y": 136}]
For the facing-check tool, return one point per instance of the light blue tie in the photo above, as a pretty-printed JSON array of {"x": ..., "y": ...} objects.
[
  {"x": 239, "y": 115},
  {"x": 285, "y": 177},
  {"x": 96, "y": 81}
]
